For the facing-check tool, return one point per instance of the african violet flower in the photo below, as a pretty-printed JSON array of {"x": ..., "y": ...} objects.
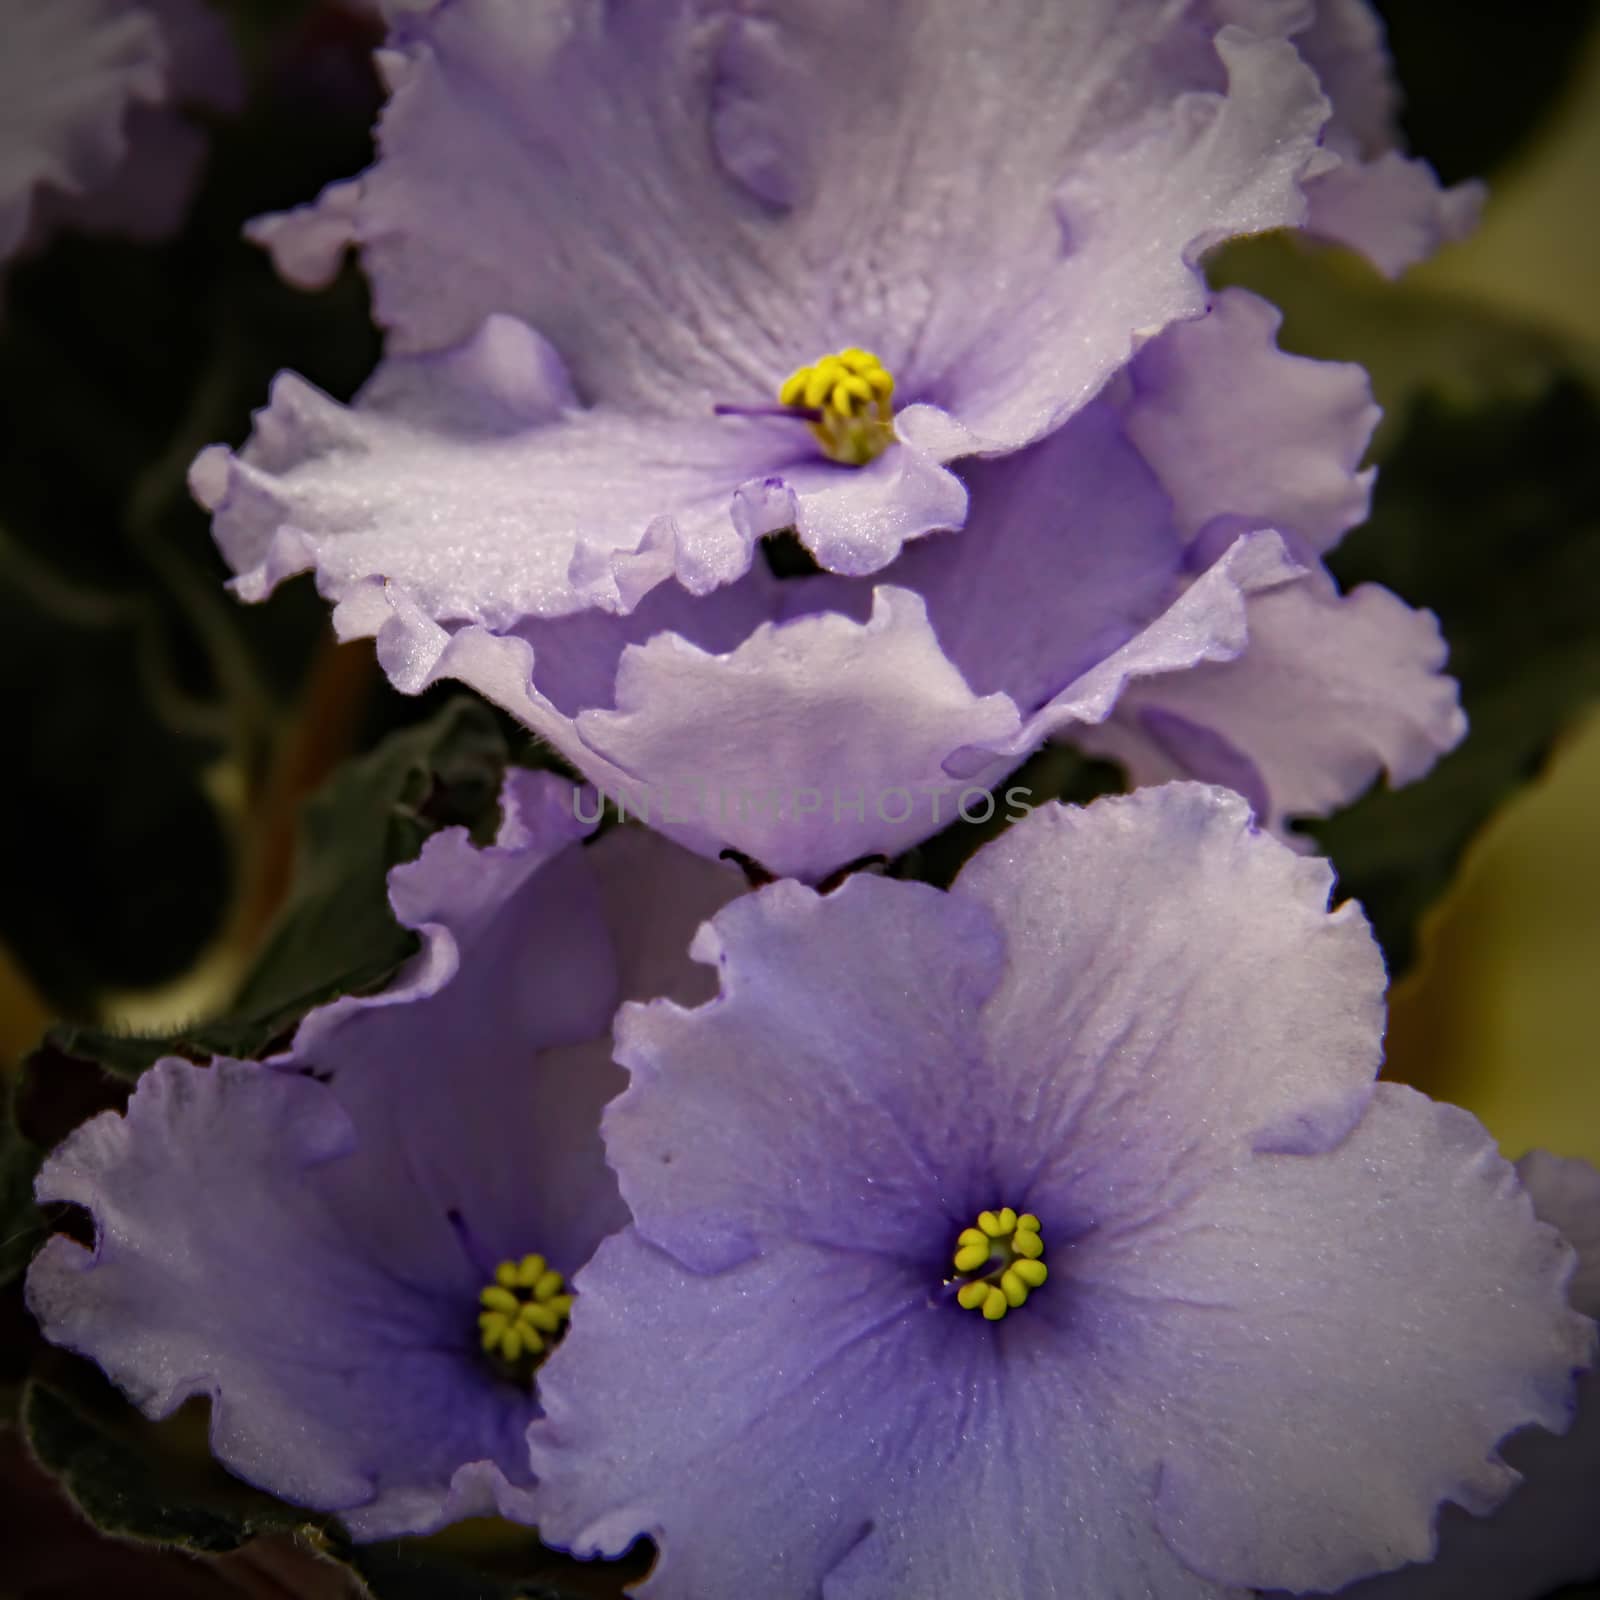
[
  {"x": 1283, "y": 1311},
  {"x": 93, "y": 95},
  {"x": 1546, "y": 1535},
  {"x": 593, "y": 233},
  {"x": 336, "y": 1246},
  {"x": 1128, "y": 566}
]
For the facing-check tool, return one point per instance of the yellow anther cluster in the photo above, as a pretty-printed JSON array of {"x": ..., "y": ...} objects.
[
  {"x": 1001, "y": 1260},
  {"x": 854, "y": 393},
  {"x": 523, "y": 1310}
]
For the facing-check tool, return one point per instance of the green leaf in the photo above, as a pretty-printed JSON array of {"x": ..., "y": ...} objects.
[
  {"x": 120, "y": 1476},
  {"x": 156, "y": 1483},
  {"x": 335, "y": 934},
  {"x": 22, "y": 1227},
  {"x": 113, "y": 856}
]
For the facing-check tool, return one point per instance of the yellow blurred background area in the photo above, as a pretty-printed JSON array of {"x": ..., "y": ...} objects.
[{"x": 1501, "y": 1013}]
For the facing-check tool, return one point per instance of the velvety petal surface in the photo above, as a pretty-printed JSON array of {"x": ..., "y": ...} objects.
[
  {"x": 824, "y": 206},
  {"x": 832, "y": 1435},
  {"x": 442, "y": 1071},
  {"x": 69, "y": 75},
  {"x": 1545, "y": 1536},
  {"x": 1236, "y": 428},
  {"x": 471, "y": 481},
  {"x": 1239, "y": 1228},
  {"x": 1392, "y": 210},
  {"x": 1330, "y": 691},
  {"x": 692, "y": 201},
  {"x": 334, "y": 1382},
  {"x": 1133, "y": 1035},
  {"x": 1069, "y": 550},
  {"x": 1305, "y": 1322},
  {"x": 1206, "y": 623},
  {"x": 1377, "y": 200},
  {"x": 814, "y": 743},
  {"x": 859, "y": 1005}
]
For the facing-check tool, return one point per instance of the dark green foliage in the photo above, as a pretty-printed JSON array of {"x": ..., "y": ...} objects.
[
  {"x": 1491, "y": 517},
  {"x": 89, "y": 1442},
  {"x": 1481, "y": 75},
  {"x": 137, "y": 673},
  {"x": 335, "y": 934},
  {"x": 21, "y": 1226},
  {"x": 139, "y": 1482}
]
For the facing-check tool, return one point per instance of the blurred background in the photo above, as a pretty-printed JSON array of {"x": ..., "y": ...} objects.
[{"x": 1501, "y": 1015}]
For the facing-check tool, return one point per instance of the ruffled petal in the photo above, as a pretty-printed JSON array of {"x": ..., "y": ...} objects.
[
  {"x": 832, "y": 1006},
  {"x": 762, "y": 1421},
  {"x": 1296, "y": 1305},
  {"x": 1240, "y": 1228},
  {"x": 1135, "y": 215},
  {"x": 855, "y": 520},
  {"x": 1376, "y": 200},
  {"x": 1234, "y": 427},
  {"x": 1138, "y": 1043},
  {"x": 653, "y": 896},
  {"x": 814, "y": 743},
  {"x": 1069, "y": 551},
  {"x": 1206, "y": 624},
  {"x": 334, "y": 1382},
  {"x": 879, "y": 1445},
  {"x": 1546, "y": 1535},
  {"x": 867, "y": 179},
  {"x": 1392, "y": 210},
  {"x": 1330, "y": 691},
  {"x": 443, "y": 1072},
  {"x": 70, "y": 73},
  {"x": 690, "y": 204},
  {"x": 467, "y": 479},
  {"x": 307, "y": 243}
]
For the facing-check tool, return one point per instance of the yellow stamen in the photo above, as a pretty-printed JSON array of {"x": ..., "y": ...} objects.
[
  {"x": 525, "y": 1310},
  {"x": 854, "y": 392},
  {"x": 1000, "y": 1260}
]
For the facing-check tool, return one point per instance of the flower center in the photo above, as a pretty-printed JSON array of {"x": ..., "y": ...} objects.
[
  {"x": 847, "y": 398},
  {"x": 1000, "y": 1260},
  {"x": 524, "y": 1313}
]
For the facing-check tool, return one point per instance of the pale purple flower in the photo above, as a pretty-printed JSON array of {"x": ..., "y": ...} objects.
[
  {"x": 93, "y": 100},
  {"x": 1547, "y": 1534},
  {"x": 1285, "y": 1311},
  {"x": 305, "y": 1241},
  {"x": 689, "y": 202},
  {"x": 625, "y": 217},
  {"x": 1155, "y": 561},
  {"x": 1378, "y": 200}
]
